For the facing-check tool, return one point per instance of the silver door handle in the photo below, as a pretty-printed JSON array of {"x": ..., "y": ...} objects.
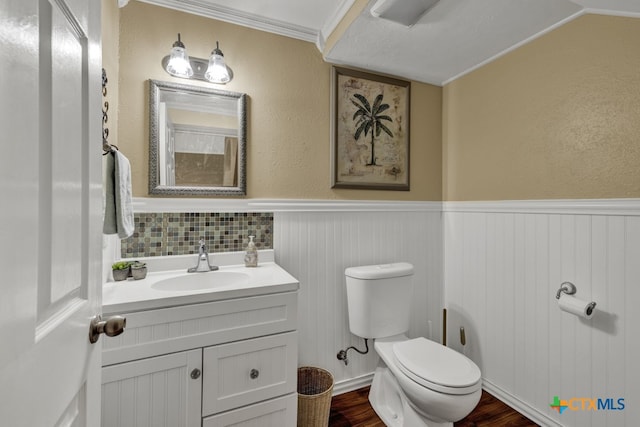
[{"x": 113, "y": 326}]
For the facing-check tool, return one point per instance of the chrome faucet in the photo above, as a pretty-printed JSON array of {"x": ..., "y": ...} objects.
[{"x": 203, "y": 260}]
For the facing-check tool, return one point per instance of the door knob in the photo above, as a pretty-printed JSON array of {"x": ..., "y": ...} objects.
[{"x": 113, "y": 326}]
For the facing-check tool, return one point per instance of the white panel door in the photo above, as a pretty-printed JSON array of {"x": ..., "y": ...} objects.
[{"x": 50, "y": 192}]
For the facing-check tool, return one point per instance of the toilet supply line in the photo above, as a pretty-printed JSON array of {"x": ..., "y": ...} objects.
[{"x": 342, "y": 354}]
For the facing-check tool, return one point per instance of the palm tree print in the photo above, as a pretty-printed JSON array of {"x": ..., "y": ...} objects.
[{"x": 369, "y": 119}]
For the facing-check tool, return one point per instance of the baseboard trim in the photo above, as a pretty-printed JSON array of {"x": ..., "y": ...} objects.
[
  {"x": 525, "y": 409},
  {"x": 352, "y": 384}
]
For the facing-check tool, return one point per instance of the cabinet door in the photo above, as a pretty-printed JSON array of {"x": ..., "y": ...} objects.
[
  {"x": 163, "y": 391},
  {"x": 245, "y": 372},
  {"x": 280, "y": 412}
]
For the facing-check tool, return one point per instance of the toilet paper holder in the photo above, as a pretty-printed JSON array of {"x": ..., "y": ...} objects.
[
  {"x": 567, "y": 288},
  {"x": 570, "y": 289}
]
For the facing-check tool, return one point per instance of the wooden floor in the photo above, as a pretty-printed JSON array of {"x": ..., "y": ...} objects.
[{"x": 353, "y": 410}]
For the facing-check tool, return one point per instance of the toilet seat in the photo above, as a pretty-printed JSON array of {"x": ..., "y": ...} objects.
[{"x": 436, "y": 367}]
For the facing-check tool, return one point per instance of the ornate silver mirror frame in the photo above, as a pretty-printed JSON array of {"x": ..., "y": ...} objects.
[{"x": 197, "y": 100}]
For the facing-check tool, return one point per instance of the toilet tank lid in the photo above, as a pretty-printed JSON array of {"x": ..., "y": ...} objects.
[{"x": 380, "y": 271}]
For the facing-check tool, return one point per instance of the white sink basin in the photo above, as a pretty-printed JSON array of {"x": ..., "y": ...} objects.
[
  {"x": 201, "y": 281},
  {"x": 168, "y": 284}
]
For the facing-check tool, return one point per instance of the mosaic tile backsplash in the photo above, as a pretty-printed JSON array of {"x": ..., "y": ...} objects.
[{"x": 159, "y": 234}]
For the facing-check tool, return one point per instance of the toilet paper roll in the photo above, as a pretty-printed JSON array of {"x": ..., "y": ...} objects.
[{"x": 576, "y": 306}]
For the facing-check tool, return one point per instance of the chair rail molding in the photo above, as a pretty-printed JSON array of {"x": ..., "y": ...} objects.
[
  {"x": 152, "y": 204},
  {"x": 626, "y": 207}
]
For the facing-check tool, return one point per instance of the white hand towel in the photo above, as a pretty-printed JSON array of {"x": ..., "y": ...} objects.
[
  {"x": 109, "y": 226},
  {"x": 118, "y": 215}
]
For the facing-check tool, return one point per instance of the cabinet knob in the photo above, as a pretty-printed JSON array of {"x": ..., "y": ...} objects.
[
  {"x": 254, "y": 374},
  {"x": 195, "y": 374}
]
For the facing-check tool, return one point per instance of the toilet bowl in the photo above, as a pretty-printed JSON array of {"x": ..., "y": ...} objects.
[
  {"x": 436, "y": 384},
  {"x": 418, "y": 382}
]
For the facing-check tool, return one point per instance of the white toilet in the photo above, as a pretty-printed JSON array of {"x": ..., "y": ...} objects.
[{"x": 418, "y": 382}]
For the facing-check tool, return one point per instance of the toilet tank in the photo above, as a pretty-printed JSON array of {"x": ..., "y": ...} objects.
[{"x": 379, "y": 299}]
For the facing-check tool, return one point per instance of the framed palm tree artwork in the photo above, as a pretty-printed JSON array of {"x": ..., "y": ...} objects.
[{"x": 370, "y": 131}]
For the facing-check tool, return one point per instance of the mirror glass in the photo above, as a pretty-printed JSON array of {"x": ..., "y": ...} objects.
[{"x": 197, "y": 140}]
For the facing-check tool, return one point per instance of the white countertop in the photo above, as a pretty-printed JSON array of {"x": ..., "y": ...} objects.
[{"x": 137, "y": 295}]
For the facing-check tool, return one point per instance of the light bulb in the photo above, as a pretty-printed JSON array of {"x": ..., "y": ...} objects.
[
  {"x": 179, "y": 64},
  {"x": 217, "y": 71}
]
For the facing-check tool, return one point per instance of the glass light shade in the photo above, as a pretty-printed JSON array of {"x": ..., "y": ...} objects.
[
  {"x": 217, "y": 71},
  {"x": 179, "y": 65}
]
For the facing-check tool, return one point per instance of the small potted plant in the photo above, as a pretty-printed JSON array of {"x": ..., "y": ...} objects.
[
  {"x": 120, "y": 270},
  {"x": 138, "y": 270}
]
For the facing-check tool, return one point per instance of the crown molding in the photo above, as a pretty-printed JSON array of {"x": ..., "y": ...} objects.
[
  {"x": 237, "y": 17},
  {"x": 514, "y": 47},
  {"x": 331, "y": 23}
]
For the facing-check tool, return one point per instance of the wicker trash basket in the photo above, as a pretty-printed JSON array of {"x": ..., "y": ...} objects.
[{"x": 314, "y": 396}]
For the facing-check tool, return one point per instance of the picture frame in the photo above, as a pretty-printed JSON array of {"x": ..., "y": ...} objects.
[{"x": 370, "y": 131}]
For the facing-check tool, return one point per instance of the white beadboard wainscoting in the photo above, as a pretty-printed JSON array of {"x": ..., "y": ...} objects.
[
  {"x": 316, "y": 245},
  {"x": 496, "y": 267},
  {"x": 504, "y": 263}
]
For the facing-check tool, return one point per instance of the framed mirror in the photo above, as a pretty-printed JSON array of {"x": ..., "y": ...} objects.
[{"x": 197, "y": 140}]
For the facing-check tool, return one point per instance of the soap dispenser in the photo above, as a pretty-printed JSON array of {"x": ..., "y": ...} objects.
[{"x": 251, "y": 257}]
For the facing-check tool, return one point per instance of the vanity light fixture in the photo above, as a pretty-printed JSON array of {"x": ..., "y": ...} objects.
[{"x": 214, "y": 70}]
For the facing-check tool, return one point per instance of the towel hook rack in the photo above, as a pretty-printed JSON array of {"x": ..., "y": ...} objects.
[
  {"x": 567, "y": 288},
  {"x": 106, "y": 147}
]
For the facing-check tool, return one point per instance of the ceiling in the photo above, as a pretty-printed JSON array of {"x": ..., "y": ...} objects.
[{"x": 451, "y": 39}]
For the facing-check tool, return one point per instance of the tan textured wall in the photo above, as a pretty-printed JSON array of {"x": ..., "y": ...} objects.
[
  {"x": 288, "y": 85},
  {"x": 556, "y": 118}
]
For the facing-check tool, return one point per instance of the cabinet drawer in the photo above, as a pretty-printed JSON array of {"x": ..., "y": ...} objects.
[
  {"x": 154, "y": 332},
  {"x": 244, "y": 372},
  {"x": 280, "y": 412}
]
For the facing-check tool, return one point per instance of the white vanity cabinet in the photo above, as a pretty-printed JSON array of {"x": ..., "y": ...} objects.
[{"x": 220, "y": 363}]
